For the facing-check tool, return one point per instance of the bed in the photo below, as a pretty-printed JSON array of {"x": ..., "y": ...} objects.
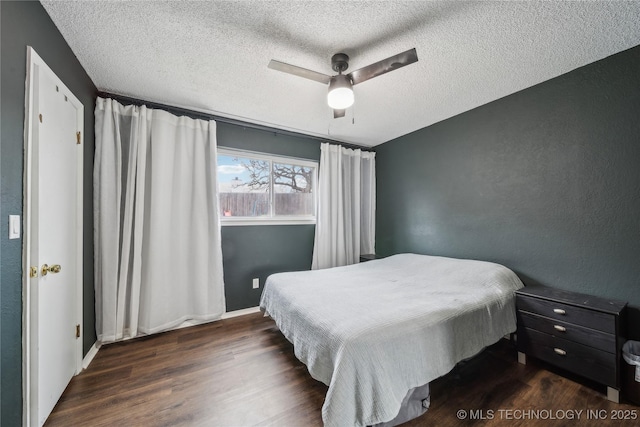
[{"x": 376, "y": 332}]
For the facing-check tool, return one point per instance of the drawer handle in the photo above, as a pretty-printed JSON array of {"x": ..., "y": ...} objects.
[
  {"x": 560, "y": 351},
  {"x": 559, "y": 311},
  {"x": 559, "y": 328}
]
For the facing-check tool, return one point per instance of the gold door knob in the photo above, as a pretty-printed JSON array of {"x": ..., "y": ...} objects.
[{"x": 55, "y": 268}]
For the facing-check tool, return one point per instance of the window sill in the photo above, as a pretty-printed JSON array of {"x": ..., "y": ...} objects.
[{"x": 231, "y": 221}]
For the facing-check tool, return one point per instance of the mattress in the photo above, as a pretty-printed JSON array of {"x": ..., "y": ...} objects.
[{"x": 373, "y": 331}]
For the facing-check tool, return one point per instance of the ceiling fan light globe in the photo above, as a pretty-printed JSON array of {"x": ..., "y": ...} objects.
[
  {"x": 340, "y": 98},
  {"x": 340, "y": 93}
]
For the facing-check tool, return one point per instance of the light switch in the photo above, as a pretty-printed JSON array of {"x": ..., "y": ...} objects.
[{"x": 14, "y": 226}]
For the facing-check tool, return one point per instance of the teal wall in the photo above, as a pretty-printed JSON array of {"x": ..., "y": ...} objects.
[
  {"x": 545, "y": 181},
  {"x": 27, "y": 24},
  {"x": 257, "y": 251}
]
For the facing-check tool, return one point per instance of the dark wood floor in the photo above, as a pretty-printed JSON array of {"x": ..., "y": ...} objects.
[{"x": 242, "y": 372}]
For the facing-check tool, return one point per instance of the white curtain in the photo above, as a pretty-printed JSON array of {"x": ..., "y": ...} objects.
[
  {"x": 345, "y": 226},
  {"x": 158, "y": 257}
]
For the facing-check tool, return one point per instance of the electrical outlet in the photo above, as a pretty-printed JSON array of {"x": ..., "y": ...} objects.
[{"x": 256, "y": 283}]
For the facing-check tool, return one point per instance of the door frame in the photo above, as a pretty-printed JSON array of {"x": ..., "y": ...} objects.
[{"x": 29, "y": 313}]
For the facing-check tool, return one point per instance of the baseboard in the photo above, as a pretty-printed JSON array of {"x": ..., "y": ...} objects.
[
  {"x": 236, "y": 313},
  {"x": 90, "y": 355}
]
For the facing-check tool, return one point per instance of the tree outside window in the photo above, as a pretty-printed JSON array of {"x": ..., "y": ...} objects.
[{"x": 266, "y": 186}]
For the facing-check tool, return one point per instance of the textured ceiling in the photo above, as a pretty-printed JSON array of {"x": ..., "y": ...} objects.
[{"x": 212, "y": 56}]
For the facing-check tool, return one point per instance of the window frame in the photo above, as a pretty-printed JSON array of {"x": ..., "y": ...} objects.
[{"x": 272, "y": 219}]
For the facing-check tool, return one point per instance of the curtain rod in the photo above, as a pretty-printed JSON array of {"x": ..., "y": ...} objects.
[{"x": 206, "y": 116}]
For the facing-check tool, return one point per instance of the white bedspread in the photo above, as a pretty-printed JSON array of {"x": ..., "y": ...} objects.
[{"x": 375, "y": 330}]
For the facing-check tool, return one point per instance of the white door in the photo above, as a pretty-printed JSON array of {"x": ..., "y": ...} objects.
[{"x": 53, "y": 232}]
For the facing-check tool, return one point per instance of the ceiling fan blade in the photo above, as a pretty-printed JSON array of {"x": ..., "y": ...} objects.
[
  {"x": 338, "y": 113},
  {"x": 299, "y": 71},
  {"x": 378, "y": 68}
]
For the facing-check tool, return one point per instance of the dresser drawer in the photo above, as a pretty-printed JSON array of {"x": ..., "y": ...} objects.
[
  {"x": 589, "y": 362},
  {"x": 569, "y": 331},
  {"x": 567, "y": 313}
]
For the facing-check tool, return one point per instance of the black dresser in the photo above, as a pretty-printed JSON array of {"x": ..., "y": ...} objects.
[{"x": 580, "y": 333}]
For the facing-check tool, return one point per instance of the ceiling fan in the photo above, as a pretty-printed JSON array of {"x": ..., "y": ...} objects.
[{"x": 340, "y": 96}]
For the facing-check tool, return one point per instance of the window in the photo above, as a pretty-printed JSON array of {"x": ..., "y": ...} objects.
[{"x": 264, "y": 189}]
